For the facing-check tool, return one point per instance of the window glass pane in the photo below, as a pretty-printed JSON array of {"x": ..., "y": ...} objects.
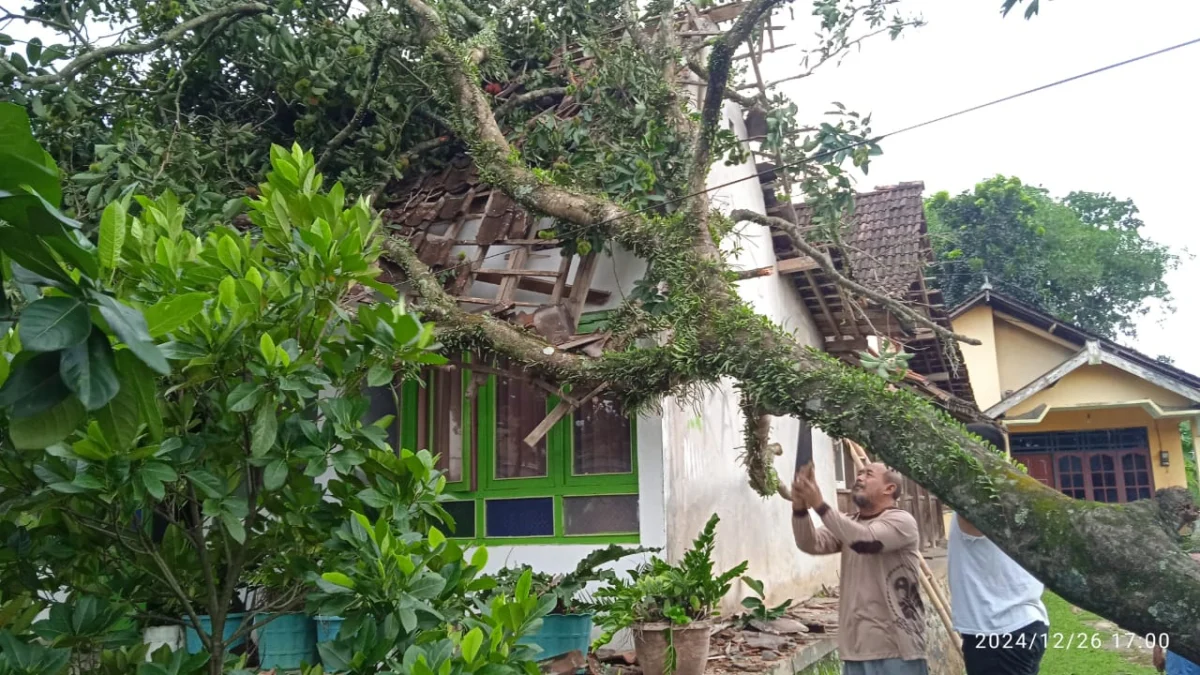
[
  {"x": 607, "y": 514},
  {"x": 519, "y": 408},
  {"x": 463, "y": 514},
  {"x": 602, "y": 439},
  {"x": 1070, "y": 477},
  {"x": 382, "y": 402},
  {"x": 1136, "y": 467},
  {"x": 532, "y": 517},
  {"x": 839, "y": 462},
  {"x": 447, "y": 421}
]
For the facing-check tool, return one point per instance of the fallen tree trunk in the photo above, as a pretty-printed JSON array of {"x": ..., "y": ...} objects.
[{"x": 1123, "y": 562}]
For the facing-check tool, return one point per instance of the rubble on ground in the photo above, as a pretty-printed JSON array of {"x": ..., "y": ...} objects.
[{"x": 737, "y": 648}]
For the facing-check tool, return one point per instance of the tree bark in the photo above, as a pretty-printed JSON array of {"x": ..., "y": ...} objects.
[{"x": 1123, "y": 562}]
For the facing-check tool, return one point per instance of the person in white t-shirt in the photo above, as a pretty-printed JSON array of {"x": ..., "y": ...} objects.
[{"x": 996, "y": 605}]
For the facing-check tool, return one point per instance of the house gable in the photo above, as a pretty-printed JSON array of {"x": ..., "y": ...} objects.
[
  {"x": 1097, "y": 386},
  {"x": 1025, "y": 354}
]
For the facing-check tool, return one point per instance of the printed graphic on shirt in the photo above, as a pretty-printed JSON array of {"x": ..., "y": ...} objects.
[{"x": 904, "y": 599}]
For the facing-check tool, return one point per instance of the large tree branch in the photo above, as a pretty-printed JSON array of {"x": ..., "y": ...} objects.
[
  {"x": 720, "y": 62},
  {"x": 356, "y": 120},
  {"x": 1092, "y": 554},
  {"x": 898, "y": 308},
  {"x": 730, "y": 93},
  {"x": 519, "y": 100},
  {"x": 87, "y": 59},
  {"x": 478, "y": 127}
]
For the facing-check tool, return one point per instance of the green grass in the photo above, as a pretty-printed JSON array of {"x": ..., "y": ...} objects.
[{"x": 1060, "y": 660}]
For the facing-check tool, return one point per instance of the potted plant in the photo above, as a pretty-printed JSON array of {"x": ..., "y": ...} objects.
[
  {"x": 568, "y": 627},
  {"x": 668, "y": 607}
]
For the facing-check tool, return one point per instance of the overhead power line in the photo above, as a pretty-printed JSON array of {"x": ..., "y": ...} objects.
[{"x": 851, "y": 146}]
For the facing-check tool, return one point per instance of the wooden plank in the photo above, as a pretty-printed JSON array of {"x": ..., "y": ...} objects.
[
  {"x": 508, "y": 285},
  {"x": 560, "y": 284},
  {"x": 521, "y": 273},
  {"x": 820, "y": 299},
  {"x": 796, "y": 265},
  {"x": 564, "y": 408},
  {"x": 536, "y": 285},
  {"x": 583, "y": 282}
]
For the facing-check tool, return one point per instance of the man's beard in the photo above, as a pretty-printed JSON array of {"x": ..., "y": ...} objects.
[{"x": 860, "y": 500}]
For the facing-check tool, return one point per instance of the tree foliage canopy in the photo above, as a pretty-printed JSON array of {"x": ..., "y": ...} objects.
[
  {"x": 192, "y": 97},
  {"x": 1082, "y": 258}
]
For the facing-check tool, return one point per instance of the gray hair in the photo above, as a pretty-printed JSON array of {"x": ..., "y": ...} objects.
[{"x": 895, "y": 478}]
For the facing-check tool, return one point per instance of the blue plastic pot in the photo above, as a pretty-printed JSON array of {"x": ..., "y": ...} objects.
[
  {"x": 562, "y": 633},
  {"x": 287, "y": 642},
  {"x": 328, "y": 628},
  {"x": 232, "y": 623}
]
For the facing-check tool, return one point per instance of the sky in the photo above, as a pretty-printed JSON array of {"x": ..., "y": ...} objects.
[{"x": 1129, "y": 131}]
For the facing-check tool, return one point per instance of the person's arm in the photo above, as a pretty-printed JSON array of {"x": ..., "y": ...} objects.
[
  {"x": 892, "y": 530},
  {"x": 967, "y": 528},
  {"x": 811, "y": 540},
  {"x": 808, "y": 538}
]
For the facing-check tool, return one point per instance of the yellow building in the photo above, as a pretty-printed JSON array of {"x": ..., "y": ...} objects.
[{"x": 1085, "y": 415}]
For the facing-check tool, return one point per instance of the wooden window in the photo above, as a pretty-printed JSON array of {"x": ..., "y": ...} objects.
[
  {"x": 601, "y": 440},
  {"x": 1108, "y": 465},
  {"x": 519, "y": 408},
  {"x": 579, "y": 484}
]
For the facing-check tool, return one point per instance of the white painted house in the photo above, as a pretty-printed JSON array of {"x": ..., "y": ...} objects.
[{"x": 597, "y": 477}]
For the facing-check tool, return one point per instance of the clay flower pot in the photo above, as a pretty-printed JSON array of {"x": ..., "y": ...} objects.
[{"x": 691, "y": 647}]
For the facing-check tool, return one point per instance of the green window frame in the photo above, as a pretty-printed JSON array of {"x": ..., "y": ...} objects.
[{"x": 478, "y": 484}]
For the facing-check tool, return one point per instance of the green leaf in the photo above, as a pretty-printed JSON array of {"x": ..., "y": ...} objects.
[
  {"x": 275, "y": 475},
  {"x": 267, "y": 346},
  {"x": 339, "y": 579},
  {"x": 207, "y": 483},
  {"x": 47, "y": 427},
  {"x": 471, "y": 643},
  {"x": 135, "y": 375},
  {"x": 244, "y": 397},
  {"x": 229, "y": 254},
  {"x": 89, "y": 371},
  {"x": 436, "y": 538},
  {"x": 479, "y": 558},
  {"x": 379, "y": 375},
  {"x": 172, "y": 313},
  {"x": 134, "y": 403},
  {"x": 22, "y": 160},
  {"x": 754, "y": 584},
  {"x": 113, "y": 226},
  {"x": 227, "y": 292},
  {"x": 153, "y": 486},
  {"x": 372, "y": 498},
  {"x": 233, "y": 525},
  {"x": 262, "y": 434},
  {"x": 33, "y": 387},
  {"x": 160, "y": 471},
  {"x": 524, "y": 584},
  {"x": 130, "y": 326},
  {"x": 55, "y": 323}
]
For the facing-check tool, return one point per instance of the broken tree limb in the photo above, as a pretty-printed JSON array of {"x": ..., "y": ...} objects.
[
  {"x": 826, "y": 265},
  {"x": 1123, "y": 562}
]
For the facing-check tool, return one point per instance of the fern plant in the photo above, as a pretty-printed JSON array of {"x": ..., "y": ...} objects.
[{"x": 659, "y": 592}]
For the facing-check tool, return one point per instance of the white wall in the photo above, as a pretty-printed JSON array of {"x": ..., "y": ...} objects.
[{"x": 702, "y": 443}]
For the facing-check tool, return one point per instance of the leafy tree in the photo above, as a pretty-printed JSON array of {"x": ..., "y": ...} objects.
[
  {"x": 1082, "y": 258},
  {"x": 169, "y": 404},
  {"x": 191, "y": 97}
]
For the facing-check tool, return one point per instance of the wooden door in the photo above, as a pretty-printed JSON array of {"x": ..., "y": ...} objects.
[{"x": 1040, "y": 467}]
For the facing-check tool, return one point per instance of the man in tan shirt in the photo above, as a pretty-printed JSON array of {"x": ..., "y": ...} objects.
[{"x": 881, "y": 618}]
